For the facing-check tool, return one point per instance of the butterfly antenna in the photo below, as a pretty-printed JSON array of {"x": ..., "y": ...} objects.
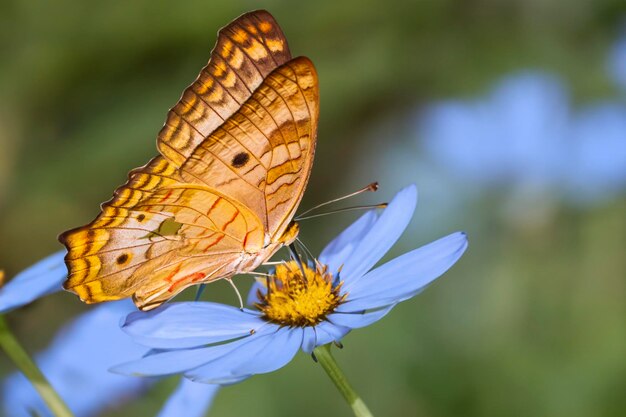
[
  {"x": 199, "y": 292},
  {"x": 341, "y": 210},
  {"x": 370, "y": 187},
  {"x": 232, "y": 284}
]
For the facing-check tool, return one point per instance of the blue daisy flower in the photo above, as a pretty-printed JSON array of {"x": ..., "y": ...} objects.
[
  {"x": 43, "y": 278},
  {"x": 220, "y": 344}
]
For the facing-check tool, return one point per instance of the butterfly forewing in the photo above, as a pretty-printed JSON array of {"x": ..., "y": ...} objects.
[{"x": 247, "y": 50}]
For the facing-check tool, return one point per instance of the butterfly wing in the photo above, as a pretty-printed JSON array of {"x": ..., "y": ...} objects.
[
  {"x": 226, "y": 186},
  {"x": 261, "y": 158},
  {"x": 263, "y": 154},
  {"x": 247, "y": 51},
  {"x": 158, "y": 234}
]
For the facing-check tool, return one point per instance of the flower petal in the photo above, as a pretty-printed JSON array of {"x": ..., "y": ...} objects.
[
  {"x": 225, "y": 381},
  {"x": 309, "y": 339},
  {"x": 191, "y": 324},
  {"x": 266, "y": 354},
  {"x": 381, "y": 236},
  {"x": 169, "y": 362},
  {"x": 357, "y": 320},
  {"x": 406, "y": 275},
  {"x": 43, "y": 278},
  {"x": 190, "y": 400},
  {"x": 279, "y": 353},
  {"x": 339, "y": 249}
]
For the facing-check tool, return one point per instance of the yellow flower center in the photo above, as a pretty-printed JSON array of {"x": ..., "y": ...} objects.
[{"x": 293, "y": 300}]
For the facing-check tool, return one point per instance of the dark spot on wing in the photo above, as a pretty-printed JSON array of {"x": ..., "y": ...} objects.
[
  {"x": 122, "y": 258},
  {"x": 240, "y": 159}
]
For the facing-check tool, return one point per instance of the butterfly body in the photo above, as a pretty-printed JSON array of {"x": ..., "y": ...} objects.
[{"x": 236, "y": 155}]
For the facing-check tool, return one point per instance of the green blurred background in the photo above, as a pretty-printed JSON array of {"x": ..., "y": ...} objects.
[{"x": 532, "y": 321}]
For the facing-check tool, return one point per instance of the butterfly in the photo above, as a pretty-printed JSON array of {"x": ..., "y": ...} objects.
[{"x": 236, "y": 153}]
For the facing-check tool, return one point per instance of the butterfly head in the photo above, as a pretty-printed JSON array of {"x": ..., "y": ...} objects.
[{"x": 290, "y": 234}]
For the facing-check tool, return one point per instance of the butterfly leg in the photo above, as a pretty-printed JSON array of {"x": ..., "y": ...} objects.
[
  {"x": 199, "y": 291},
  {"x": 232, "y": 284}
]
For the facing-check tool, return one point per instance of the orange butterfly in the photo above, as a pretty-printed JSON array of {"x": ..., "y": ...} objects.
[{"x": 236, "y": 155}]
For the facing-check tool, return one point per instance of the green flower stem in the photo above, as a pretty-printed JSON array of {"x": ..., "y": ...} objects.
[
  {"x": 325, "y": 358},
  {"x": 18, "y": 355}
]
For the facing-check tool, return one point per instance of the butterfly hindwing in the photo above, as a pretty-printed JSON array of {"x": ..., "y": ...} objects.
[{"x": 154, "y": 217}]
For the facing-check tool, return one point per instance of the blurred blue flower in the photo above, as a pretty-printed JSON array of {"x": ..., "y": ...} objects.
[
  {"x": 220, "y": 344},
  {"x": 524, "y": 137},
  {"x": 43, "y": 278},
  {"x": 597, "y": 162},
  {"x": 514, "y": 136},
  {"x": 617, "y": 60},
  {"x": 76, "y": 364}
]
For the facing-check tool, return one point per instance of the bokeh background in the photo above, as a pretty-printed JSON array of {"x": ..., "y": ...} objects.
[{"x": 510, "y": 116}]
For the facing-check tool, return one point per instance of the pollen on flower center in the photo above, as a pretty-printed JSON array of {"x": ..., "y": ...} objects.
[{"x": 293, "y": 300}]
